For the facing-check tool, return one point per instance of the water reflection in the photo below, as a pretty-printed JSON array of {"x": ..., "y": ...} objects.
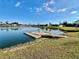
[
  {"x": 53, "y": 31},
  {"x": 14, "y": 35},
  {"x": 9, "y": 28}
]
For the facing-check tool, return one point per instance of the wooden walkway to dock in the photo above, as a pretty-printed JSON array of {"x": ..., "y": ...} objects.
[{"x": 43, "y": 34}]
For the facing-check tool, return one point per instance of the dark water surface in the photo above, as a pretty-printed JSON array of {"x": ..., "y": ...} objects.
[{"x": 12, "y": 36}]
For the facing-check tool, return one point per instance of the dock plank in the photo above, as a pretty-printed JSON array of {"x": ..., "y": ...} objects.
[{"x": 33, "y": 35}]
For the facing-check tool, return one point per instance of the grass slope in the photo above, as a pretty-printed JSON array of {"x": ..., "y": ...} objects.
[{"x": 70, "y": 29}]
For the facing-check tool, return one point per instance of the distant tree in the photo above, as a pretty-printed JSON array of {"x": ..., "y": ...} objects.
[
  {"x": 7, "y": 22},
  {"x": 1, "y": 22},
  {"x": 15, "y": 23},
  {"x": 76, "y": 22},
  {"x": 65, "y": 23},
  {"x": 49, "y": 24}
]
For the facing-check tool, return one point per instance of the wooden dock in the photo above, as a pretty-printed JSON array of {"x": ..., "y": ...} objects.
[
  {"x": 43, "y": 34},
  {"x": 33, "y": 35}
]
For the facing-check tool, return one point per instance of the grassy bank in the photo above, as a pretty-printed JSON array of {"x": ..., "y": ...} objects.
[
  {"x": 64, "y": 28},
  {"x": 54, "y": 48},
  {"x": 70, "y": 29}
]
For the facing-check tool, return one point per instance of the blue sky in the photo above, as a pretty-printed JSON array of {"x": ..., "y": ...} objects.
[{"x": 39, "y": 11}]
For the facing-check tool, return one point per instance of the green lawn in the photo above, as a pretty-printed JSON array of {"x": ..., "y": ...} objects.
[
  {"x": 70, "y": 29},
  {"x": 54, "y": 48},
  {"x": 65, "y": 28}
]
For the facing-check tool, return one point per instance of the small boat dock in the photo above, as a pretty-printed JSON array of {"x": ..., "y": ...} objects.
[{"x": 43, "y": 34}]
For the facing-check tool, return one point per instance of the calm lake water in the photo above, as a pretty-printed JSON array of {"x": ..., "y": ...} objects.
[{"x": 13, "y": 36}]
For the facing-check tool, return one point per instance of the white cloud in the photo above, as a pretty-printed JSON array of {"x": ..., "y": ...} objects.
[
  {"x": 73, "y": 12},
  {"x": 45, "y": 4},
  {"x": 45, "y": 7},
  {"x": 17, "y": 4},
  {"x": 62, "y": 10},
  {"x": 49, "y": 9},
  {"x": 51, "y": 2},
  {"x": 38, "y": 9},
  {"x": 30, "y": 10}
]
